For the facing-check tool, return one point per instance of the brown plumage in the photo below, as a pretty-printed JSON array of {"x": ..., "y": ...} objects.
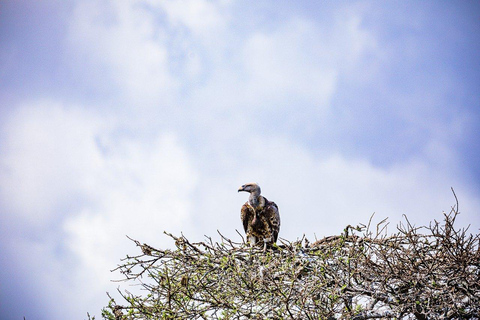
[{"x": 260, "y": 217}]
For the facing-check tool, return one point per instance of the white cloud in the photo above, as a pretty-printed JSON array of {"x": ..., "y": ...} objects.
[
  {"x": 289, "y": 64},
  {"x": 201, "y": 17},
  {"x": 144, "y": 190},
  {"x": 123, "y": 39},
  {"x": 286, "y": 75},
  {"x": 63, "y": 167},
  {"x": 303, "y": 59},
  {"x": 49, "y": 157}
]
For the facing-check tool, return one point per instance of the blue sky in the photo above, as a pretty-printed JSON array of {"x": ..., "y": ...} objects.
[{"x": 134, "y": 117}]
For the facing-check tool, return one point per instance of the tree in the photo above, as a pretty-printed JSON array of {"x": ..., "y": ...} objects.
[{"x": 417, "y": 273}]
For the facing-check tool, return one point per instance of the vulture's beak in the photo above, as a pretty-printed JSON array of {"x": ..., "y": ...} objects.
[{"x": 242, "y": 188}]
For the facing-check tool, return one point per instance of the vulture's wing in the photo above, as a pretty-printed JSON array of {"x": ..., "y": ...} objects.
[
  {"x": 273, "y": 215},
  {"x": 245, "y": 215}
]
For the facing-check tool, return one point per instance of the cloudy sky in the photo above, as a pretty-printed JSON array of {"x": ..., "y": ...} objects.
[{"x": 137, "y": 116}]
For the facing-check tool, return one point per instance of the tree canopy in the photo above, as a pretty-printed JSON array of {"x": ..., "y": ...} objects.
[{"x": 428, "y": 272}]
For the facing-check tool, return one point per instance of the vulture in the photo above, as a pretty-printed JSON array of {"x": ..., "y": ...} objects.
[{"x": 260, "y": 217}]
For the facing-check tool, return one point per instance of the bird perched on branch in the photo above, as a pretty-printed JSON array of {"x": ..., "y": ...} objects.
[{"x": 260, "y": 217}]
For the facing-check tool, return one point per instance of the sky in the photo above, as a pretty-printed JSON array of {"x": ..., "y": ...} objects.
[{"x": 136, "y": 117}]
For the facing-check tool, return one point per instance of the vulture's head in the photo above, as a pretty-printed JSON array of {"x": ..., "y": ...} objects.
[{"x": 250, "y": 187}]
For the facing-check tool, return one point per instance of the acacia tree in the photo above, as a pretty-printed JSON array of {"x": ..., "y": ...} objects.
[{"x": 430, "y": 272}]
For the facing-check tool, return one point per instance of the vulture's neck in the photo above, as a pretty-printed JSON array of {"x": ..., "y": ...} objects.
[{"x": 255, "y": 200}]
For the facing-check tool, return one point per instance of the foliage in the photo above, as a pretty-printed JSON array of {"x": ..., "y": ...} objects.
[{"x": 418, "y": 273}]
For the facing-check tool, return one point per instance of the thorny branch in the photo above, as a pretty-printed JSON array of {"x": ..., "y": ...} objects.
[{"x": 418, "y": 273}]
